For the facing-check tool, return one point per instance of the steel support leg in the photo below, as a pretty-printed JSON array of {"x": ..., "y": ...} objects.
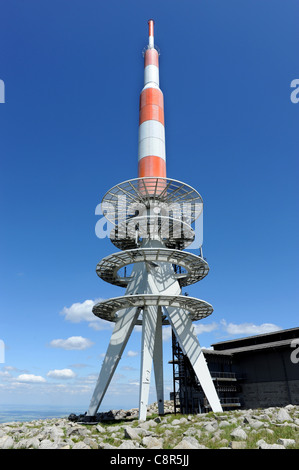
[
  {"x": 121, "y": 333},
  {"x": 184, "y": 331},
  {"x": 158, "y": 363},
  {"x": 149, "y": 322}
]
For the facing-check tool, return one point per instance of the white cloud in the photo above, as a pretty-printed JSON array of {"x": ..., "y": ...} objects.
[
  {"x": 199, "y": 329},
  {"x": 30, "y": 378},
  {"x": 78, "y": 366},
  {"x": 61, "y": 374},
  {"x": 82, "y": 311},
  {"x": 88, "y": 379},
  {"x": 5, "y": 373},
  {"x": 78, "y": 312},
  {"x": 128, "y": 368},
  {"x": 133, "y": 353},
  {"x": 248, "y": 328},
  {"x": 74, "y": 342},
  {"x": 98, "y": 324}
]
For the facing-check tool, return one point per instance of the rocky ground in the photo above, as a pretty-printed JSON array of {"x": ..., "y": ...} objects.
[{"x": 270, "y": 428}]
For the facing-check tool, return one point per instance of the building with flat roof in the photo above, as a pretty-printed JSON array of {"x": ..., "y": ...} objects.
[{"x": 252, "y": 372}]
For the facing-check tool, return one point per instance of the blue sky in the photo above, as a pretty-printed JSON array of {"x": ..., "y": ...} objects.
[{"x": 73, "y": 72}]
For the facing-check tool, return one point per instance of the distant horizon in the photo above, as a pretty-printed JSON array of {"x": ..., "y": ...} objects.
[{"x": 26, "y": 412}]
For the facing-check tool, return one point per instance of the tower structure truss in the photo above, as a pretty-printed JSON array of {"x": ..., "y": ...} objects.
[{"x": 152, "y": 219}]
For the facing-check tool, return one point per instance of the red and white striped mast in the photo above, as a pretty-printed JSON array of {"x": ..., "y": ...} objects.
[{"x": 151, "y": 142}]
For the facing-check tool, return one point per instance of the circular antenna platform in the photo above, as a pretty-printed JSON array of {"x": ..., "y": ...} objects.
[
  {"x": 196, "y": 267},
  {"x": 173, "y": 232},
  {"x": 196, "y": 309},
  {"x": 132, "y": 197}
]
